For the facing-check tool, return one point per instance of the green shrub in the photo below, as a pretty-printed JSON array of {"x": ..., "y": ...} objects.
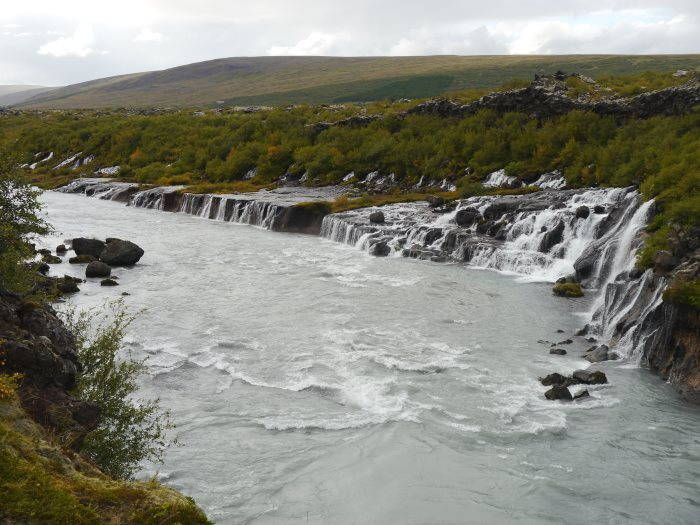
[
  {"x": 684, "y": 292},
  {"x": 20, "y": 223},
  {"x": 131, "y": 429}
]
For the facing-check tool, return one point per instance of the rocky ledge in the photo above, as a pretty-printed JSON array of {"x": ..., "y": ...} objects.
[{"x": 547, "y": 97}]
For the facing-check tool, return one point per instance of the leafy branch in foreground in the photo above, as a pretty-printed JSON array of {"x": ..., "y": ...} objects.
[
  {"x": 132, "y": 429},
  {"x": 20, "y": 222}
]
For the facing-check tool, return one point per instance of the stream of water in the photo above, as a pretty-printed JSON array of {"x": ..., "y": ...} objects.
[{"x": 313, "y": 383}]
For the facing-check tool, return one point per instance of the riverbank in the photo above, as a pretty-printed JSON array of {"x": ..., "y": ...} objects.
[{"x": 43, "y": 476}]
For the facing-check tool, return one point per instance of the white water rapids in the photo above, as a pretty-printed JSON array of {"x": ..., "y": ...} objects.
[{"x": 313, "y": 383}]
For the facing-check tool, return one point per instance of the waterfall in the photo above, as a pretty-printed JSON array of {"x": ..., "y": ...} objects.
[{"x": 591, "y": 234}]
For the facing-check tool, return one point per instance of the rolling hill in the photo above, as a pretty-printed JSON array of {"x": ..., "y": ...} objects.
[
  {"x": 312, "y": 79},
  {"x": 14, "y": 94}
]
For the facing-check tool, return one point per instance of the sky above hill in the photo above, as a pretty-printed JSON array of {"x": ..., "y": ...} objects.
[{"x": 52, "y": 42}]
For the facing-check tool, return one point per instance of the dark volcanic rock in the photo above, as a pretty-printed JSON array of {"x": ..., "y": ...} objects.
[
  {"x": 552, "y": 237},
  {"x": 590, "y": 377},
  {"x": 380, "y": 249},
  {"x": 82, "y": 259},
  {"x": 467, "y": 216},
  {"x": 553, "y": 379},
  {"x": 376, "y": 217},
  {"x": 558, "y": 393},
  {"x": 97, "y": 269},
  {"x": 598, "y": 354},
  {"x": 108, "y": 282},
  {"x": 582, "y": 395},
  {"x": 582, "y": 212},
  {"x": 83, "y": 246},
  {"x": 435, "y": 201},
  {"x": 51, "y": 259},
  {"x": 121, "y": 253},
  {"x": 67, "y": 285}
]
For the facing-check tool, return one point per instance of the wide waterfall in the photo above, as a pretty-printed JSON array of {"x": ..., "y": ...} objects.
[{"x": 591, "y": 235}]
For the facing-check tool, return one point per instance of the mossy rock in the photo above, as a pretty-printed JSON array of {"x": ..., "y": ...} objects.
[
  {"x": 40, "y": 482},
  {"x": 568, "y": 290}
]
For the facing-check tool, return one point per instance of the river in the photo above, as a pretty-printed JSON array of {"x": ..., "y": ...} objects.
[{"x": 313, "y": 383}]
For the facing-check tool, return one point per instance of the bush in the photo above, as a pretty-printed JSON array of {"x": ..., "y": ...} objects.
[
  {"x": 131, "y": 430},
  {"x": 20, "y": 222},
  {"x": 684, "y": 292}
]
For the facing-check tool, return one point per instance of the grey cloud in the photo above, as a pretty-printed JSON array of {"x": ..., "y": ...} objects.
[{"x": 200, "y": 30}]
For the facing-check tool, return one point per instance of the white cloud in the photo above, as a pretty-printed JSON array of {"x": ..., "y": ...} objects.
[
  {"x": 147, "y": 35},
  {"x": 317, "y": 43},
  {"x": 76, "y": 45}
]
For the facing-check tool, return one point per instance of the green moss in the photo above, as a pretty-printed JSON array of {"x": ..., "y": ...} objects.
[
  {"x": 40, "y": 483},
  {"x": 684, "y": 292},
  {"x": 568, "y": 290}
]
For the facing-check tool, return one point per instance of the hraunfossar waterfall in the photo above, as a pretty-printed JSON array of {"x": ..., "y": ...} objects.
[{"x": 398, "y": 364}]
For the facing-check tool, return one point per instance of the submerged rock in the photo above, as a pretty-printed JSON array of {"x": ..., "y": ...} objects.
[
  {"x": 380, "y": 249},
  {"x": 97, "y": 269},
  {"x": 557, "y": 351},
  {"x": 553, "y": 379},
  {"x": 582, "y": 395},
  {"x": 376, "y": 217},
  {"x": 108, "y": 282},
  {"x": 81, "y": 259},
  {"x": 558, "y": 393},
  {"x": 590, "y": 377},
  {"x": 51, "y": 259}
]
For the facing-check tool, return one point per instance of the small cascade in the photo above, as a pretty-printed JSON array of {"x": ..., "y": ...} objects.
[{"x": 499, "y": 179}]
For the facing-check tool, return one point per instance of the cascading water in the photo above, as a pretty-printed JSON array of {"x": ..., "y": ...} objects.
[{"x": 592, "y": 234}]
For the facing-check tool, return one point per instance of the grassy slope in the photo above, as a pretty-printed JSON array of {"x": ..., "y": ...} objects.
[
  {"x": 284, "y": 80},
  {"x": 42, "y": 483}
]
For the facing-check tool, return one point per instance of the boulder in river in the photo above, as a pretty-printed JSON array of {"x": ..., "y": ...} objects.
[
  {"x": 61, "y": 248},
  {"x": 83, "y": 246},
  {"x": 108, "y": 282},
  {"x": 467, "y": 216},
  {"x": 121, "y": 253},
  {"x": 557, "y": 351},
  {"x": 376, "y": 217},
  {"x": 553, "y": 379},
  {"x": 590, "y": 377},
  {"x": 552, "y": 237},
  {"x": 558, "y": 393},
  {"x": 582, "y": 212},
  {"x": 51, "y": 259},
  {"x": 97, "y": 269},
  {"x": 68, "y": 284},
  {"x": 570, "y": 290},
  {"x": 582, "y": 395},
  {"x": 598, "y": 354},
  {"x": 380, "y": 249},
  {"x": 82, "y": 259}
]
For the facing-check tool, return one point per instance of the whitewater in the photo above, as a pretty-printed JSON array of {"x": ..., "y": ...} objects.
[{"x": 314, "y": 383}]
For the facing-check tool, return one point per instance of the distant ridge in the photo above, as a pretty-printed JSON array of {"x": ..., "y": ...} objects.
[
  {"x": 14, "y": 94},
  {"x": 313, "y": 79}
]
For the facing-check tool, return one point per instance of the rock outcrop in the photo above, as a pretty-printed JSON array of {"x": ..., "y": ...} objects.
[{"x": 547, "y": 97}]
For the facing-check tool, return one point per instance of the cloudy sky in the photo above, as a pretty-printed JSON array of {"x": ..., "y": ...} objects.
[{"x": 56, "y": 42}]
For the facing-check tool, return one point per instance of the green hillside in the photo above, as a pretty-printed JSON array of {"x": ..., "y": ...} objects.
[{"x": 293, "y": 80}]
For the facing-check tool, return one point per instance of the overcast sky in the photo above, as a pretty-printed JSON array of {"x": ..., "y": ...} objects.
[{"x": 56, "y": 42}]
